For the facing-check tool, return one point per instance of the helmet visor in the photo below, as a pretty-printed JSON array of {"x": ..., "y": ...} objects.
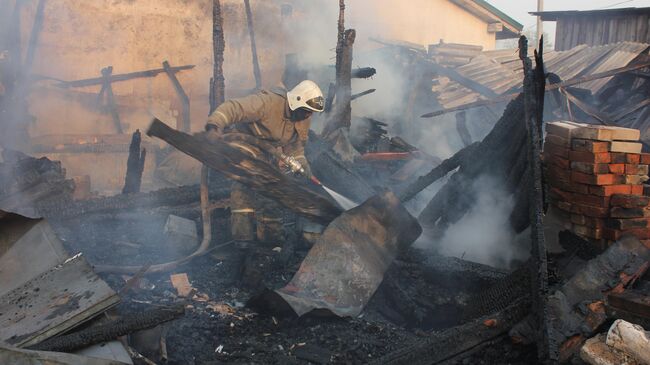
[{"x": 317, "y": 103}]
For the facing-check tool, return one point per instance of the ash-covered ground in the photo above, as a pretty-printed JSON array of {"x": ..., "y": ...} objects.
[{"x": 218, "y": 325}]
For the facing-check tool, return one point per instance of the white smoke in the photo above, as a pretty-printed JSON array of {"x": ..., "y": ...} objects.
[{"x": 484, "y": 234}]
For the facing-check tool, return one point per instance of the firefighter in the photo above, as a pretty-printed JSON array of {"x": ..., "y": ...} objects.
[{"x": 281, "y": 118}]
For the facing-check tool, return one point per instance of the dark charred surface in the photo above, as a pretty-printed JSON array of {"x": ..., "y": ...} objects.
[{"x": 409, "y": 303}]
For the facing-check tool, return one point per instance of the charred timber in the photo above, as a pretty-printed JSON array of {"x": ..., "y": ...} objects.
[
  {"x": 169, "y": 197},
  {"x": 110, "y": 331},
  {"x": 342, "y": 116},
  {"x": 217, "y": 82},
  {"x": 121, "y": 77},
  {"x": 534, "y": 88},
  {"x": 363, "y": 93},
  {"x": 455, "y": 341},
  {"x": 363, "y": 72},
  {"x": 437, "y": 173},
  {"x": 294, "y": 193},
  {"x": 134, "y": 165}
]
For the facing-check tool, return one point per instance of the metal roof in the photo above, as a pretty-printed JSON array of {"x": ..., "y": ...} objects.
[
  {"x": 501, "y": 71},
  {"x": 554, "y": 15}
]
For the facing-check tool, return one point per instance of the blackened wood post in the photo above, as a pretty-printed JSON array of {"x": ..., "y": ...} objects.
[
  {"x": 342, "y": 115},
  {"x": 217, "y": 83},
  {"x": 340, "y": 36},
  {"x": 534, "y": 84},
  {"x": 110, "y": 98},
  {"x": 134, "y": 165},
  {"x": 251, "y": 31},
  {"x": 185, "y": 100}
]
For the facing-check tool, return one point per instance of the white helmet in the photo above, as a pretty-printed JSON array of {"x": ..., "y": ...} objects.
[{"x": 306, "y": 95}]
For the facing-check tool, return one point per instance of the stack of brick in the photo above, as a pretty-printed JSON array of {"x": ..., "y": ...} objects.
[{"x": 595, "y": 176}]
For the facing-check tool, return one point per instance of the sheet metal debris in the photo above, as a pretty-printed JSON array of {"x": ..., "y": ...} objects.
[{"x": 346, "y": 265}]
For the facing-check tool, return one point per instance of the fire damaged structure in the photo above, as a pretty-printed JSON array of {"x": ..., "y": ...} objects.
[{"x": 424, "y": 199}]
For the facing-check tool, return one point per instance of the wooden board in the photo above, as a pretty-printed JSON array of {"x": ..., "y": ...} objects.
[
  {"x": 296, "y": 194},
  {"x": 52, "y": 303},
  {"x": 30, "y": 256}
]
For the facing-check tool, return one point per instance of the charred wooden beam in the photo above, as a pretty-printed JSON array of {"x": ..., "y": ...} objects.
[
  {"x": 169, "y": 197},
  {"x": 251, "y": 31},
  {"x": 294, "y": 193},
  {"x": 217, "y": 82},
  {"x": 134, "y": 165},
  {"x": 107, "y": 90},
  {"x": 110, "y": 331},
  {"x": 534, "y": 85},
  {"x": 363, "y": 72},
  {"x": 121, "y": 77},
  {"x": 452, "y": 342},
  {"x": 363, "y": 93},
  {"x": 437, "y": 173},
  {"x": 185, "y": 100}
]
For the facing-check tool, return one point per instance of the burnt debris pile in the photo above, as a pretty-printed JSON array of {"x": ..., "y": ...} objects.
[{"x": 435, "y": 202}]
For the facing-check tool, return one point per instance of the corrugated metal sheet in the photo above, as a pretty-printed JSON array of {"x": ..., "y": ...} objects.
[{"x": 501, "y": 70}]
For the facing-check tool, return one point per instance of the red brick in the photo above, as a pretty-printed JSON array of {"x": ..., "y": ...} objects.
[
  {"x": 629, "y": 200},
  {"x": 616, "y": 168},
  {"x": 555, "y": 150},
  {"x": 593, "y": 200},
  {"x": 587, "y": 221},
  {"x": 645, "y": 158},
  {"x": 589, "y": 211},
  {"x": 632, "y": 169},
  {"x": 555, "y": 173},
  {"x": 646, "y": 189},
  {"x": 627, "y": 224},
  {"x": 615, "y": 234},
  {"x": 590, "y": 168},
  {"x": 610, "y": 190},
  {"x": 619, "y": 212},
  {"x": 557, "y": 140},
  {"x": 632, "y": 158},
  {"x": 568, "y": 186},
  {"x": 600, "y": 179},
  {"x": 558, "y": 161},
  {"x": 629, "y": 158},
  {"x": 559, "y": 194},
  {"x": 588, "y": 232},
  {"x": 636, "y": 189},
  {"x": 564, "y": 206},
  {"x": 591, "y": 157},
  {"x": 589, "y": 145}
]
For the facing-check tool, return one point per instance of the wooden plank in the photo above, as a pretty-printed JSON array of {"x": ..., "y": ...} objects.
[
  {"x": 34, "y": 253},
  {"x": 120, "y": 77},
  {"x": 631, "y": 301},
  {"x": 185, "y": 100},
  {"x": 58, "y": 300},
  {"x": 296, "y": 194}
]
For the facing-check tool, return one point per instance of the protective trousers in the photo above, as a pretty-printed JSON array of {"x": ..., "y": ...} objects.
[{"x": 254, "y": 216}]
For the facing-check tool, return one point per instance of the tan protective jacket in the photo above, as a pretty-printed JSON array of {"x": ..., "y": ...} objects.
[{"x": 265, "y": 115}]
